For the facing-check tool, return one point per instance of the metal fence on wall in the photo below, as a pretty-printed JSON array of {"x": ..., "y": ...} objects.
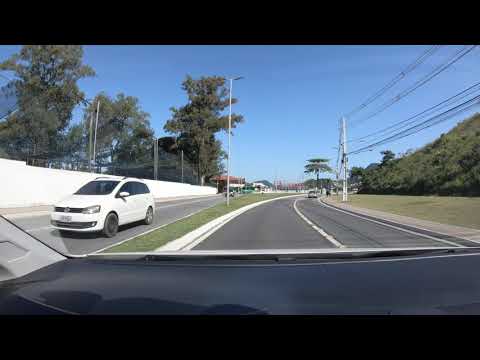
[
  {"x": 169, "y": 166},
  {"x": 92, "y": 149}
]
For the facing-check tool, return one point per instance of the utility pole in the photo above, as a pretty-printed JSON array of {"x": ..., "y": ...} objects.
[
  {"x": 344, "y": 160},
  {"x": 182, "y": 167},
  {"x": 155, "y": 158},
  {"x": 95, "y": 138},
  {"x": 336, "y": 182}
]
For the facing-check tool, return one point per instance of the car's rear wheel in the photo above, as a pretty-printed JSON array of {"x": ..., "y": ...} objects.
[
  {"x": 149, "y": 216},
  {"x": 110, "y": 228}
]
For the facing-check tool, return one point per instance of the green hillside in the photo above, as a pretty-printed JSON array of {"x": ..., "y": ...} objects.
[{"x": 448, "y": 166}]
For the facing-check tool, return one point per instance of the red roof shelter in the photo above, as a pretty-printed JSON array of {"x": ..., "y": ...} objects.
[{"x": 222, "y": 181}]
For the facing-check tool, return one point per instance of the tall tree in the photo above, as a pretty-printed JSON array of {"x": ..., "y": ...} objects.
[
  {"x": 46, "y": 85},
  {"x": 317, "y": 166},
  {"x": 196, "y": 123},
  {"x": 387, "y": 156},
  {"x": 124, "y": 134},
  {"x": 311, "y": 183},
  {"x": 356, "y": 175}
]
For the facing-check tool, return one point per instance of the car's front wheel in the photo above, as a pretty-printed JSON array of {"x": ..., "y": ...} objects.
[
  {"x": 110, "y": 228},
  {"x": 149, "y": 216}
]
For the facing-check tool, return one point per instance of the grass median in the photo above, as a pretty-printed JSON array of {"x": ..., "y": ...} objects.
[
  {"x": 454, "y": 210},
  {"x": 159, "y": 237}
]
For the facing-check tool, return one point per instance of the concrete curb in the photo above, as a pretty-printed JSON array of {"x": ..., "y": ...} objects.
[{"x": 195, "y": 237}]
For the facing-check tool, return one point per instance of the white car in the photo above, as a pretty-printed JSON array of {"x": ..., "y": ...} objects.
[{"x": 103, "y": 204}]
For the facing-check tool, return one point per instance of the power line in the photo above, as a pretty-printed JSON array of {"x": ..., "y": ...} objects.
[
  {"x": 438, "y": 70},
  {"x": 453, "y": 99},
  {"x": 424, "y": 125},
  {"x": 425, "y": 55}
]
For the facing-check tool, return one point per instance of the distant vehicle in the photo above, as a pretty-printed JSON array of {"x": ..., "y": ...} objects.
[
  {"x": 312, "y": 194},
  {"x": 103, "y": 205}
]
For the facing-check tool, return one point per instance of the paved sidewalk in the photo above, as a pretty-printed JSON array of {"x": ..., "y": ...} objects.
[{"x": 451, "y": 230}]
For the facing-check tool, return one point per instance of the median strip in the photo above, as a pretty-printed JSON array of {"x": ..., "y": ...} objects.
[{"x": 180, "y": 228}]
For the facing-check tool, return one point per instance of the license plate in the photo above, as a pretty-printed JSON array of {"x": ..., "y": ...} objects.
[{"x": 65, "y": 218}]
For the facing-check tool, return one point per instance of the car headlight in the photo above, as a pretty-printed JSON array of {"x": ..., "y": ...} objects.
[{"x": 91, "y": 209}]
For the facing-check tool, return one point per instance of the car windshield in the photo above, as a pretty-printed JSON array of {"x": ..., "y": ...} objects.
[
  {"x": 103, "y": 187},
  {"x": 227, "y": 149}
]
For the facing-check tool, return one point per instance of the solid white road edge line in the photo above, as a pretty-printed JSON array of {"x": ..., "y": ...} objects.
[
  {"x": 195, "y": 237},
  {"x": 392, "y": 226},
  {"x": 420, "y": 228},
  {"x": 46, "y": 227},
  {"x": 316, "y": 228}
]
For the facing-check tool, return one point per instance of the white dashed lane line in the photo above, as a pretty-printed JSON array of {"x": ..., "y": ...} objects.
[{"x": 316, "y": 228}]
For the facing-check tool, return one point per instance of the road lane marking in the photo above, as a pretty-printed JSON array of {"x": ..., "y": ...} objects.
[
  {"x": 190, "y": 240},
  {"x": 316, "y": 228},
  {"x": 38, "y": 228},
  {"x": 391, "y": 226}
]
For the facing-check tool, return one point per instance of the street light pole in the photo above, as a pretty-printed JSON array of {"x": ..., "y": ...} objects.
[
  {"x": 90, "y": 144},
  {"x": 155, "y": 158},
  {"x": 229, "y": 137},
  {"x": 95, "y": 138}
]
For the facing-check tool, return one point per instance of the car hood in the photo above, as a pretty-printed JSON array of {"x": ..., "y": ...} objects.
[{"x": 81, "y": 201}]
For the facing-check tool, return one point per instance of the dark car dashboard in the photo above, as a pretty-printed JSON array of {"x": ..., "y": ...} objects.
[{"x": 385, "y": 283}]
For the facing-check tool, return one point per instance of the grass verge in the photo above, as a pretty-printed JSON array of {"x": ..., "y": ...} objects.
[
  {"x": 160, "y": 237},
  {"x": 461, "y": 211}
]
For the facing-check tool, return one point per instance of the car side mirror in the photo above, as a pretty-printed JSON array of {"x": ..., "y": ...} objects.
[{"x": 124, "y": 194}]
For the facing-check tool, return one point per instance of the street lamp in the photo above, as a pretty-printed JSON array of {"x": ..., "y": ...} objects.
[{"x": 229, "y": 135}]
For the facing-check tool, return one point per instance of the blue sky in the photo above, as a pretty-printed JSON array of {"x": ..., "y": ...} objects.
[{"x": 291, "y": 97}]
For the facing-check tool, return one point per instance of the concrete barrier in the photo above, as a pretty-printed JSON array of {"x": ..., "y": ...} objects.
[{"x": 22, "y": 185}]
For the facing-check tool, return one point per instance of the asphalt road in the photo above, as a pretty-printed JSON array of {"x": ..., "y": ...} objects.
[
  {"x": 277, "y": 225},
  {"x": 78, "y": 243}
]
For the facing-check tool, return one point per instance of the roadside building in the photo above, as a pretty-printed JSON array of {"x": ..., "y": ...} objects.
[
  {"x": 236, "y": 183},
  {"x": 260, "y": 186}
]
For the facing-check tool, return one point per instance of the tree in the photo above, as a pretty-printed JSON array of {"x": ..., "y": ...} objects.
[
  {"x": 46, "y": 86},
  {"x": 312, "y": 184},
  {"x": 317, "y": 166},
  {"x": 450, "y": 165},
  {"x": 356, "y": 175},
  {"x": 124, "y": 134},
  {"x": 197, "y": 122},
  {"x": 387, "y": 156},
  {"x": 74, "y": 144}
]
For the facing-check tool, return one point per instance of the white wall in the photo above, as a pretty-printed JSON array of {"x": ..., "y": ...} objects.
[{"x": 22, "y": 185}]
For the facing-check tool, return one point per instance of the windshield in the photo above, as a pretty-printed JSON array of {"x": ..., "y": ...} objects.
[
  {"x": 97, "y": 188},
  {"x": 322, "y": 149}
]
